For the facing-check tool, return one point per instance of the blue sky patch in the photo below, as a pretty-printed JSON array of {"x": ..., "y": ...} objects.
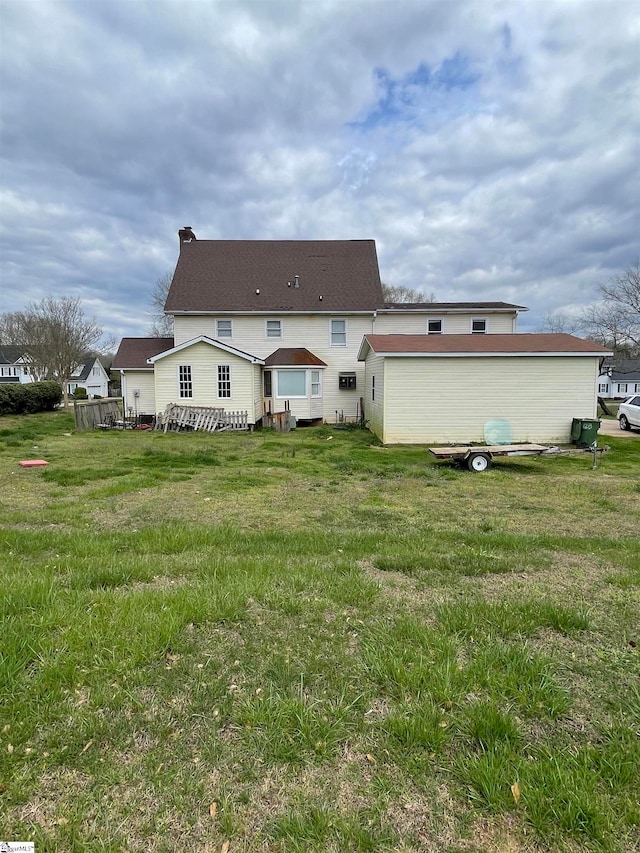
[{"x": 420, "y": 91}]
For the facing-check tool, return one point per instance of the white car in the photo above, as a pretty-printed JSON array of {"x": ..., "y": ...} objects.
[{"x": 629, "y": 413}]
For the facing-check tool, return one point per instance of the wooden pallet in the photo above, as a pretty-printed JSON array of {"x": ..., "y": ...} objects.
[{"x": 177, "y": 418}]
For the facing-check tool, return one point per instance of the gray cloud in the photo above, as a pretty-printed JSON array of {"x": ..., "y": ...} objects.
[{"x": 491, "y": 148}]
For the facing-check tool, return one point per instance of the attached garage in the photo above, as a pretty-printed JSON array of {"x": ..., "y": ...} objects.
[{"x": 425, "y": 389}]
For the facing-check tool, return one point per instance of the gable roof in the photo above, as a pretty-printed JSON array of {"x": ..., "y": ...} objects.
[
  {"x": 133, "y": 352},
  {"x": 478, "y": 345},
  {"x": 10, "y": 353},
  {"x": 623, "y": 369},
  {"x": 293, "y": 357},
  {"x": 203, "y": 339},
  {"x": 260, "y": 275}
]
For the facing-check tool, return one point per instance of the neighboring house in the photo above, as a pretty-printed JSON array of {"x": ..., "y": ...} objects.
[
  {"x": 91, "y": 376},
  {"x": 14, "y": 365},
  {"x": 619, "y": 378},
  {"x": 263, "y": 324},
  {"x": 422, "y": 389}
]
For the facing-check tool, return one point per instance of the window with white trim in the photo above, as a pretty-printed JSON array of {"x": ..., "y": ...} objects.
[
  {"x": 434, "y": 326},
  {"x": 273, "y": 329},
  {"x": 96, "y": 371},
  {"x": 478, "y": 326},
  {"x": 224, "y": 380},
  {"x": 316, "y": 387},
  {"x": 603, "y": 387},
  {"x": 338, "y": 333},
  {"x": 622, "y": 387},
  {"x": 224, "y": 329},
  {"x": 291, "y": 383},
  {"x": 637, "y": 388},
  {"x": 185, "y": 383}
]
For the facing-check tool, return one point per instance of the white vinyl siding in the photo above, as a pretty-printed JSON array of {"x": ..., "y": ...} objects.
[
  {"x": 433, "y": 400},
  {"x": 302, "y": 330},
  {"x": 410, "y": 323},
  {"x": 204, "y": 360},
  {"x": 142, "y": 381}
]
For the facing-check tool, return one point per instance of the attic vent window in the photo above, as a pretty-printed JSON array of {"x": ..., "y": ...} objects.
[{"x": 347, "y": 381}]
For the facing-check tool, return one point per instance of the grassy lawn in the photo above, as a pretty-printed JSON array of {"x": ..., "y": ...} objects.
[{"x": 308, "y": 642}]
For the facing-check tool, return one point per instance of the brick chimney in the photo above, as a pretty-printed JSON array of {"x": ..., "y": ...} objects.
[{"x": 186, "y": 235}]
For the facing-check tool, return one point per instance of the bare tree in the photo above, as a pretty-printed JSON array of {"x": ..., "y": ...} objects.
[
  {"x": 615, "y": 321},
  {"x": 56, "y": 337},
  {"x": 562, "y": 321},
  {"x": 400, "y": 294},
  {"x": 162, "y": 326}
]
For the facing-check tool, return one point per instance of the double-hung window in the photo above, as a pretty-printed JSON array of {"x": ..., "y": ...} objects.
[
  {"x": 316, "y": 388},
  {"x": 273, "y": 329},
  {"x": 224, "y": 329},
  {"x": 338, "y": 333},
  {"x": 185, "y": 383},
  {"x": 224, "y": 380}
]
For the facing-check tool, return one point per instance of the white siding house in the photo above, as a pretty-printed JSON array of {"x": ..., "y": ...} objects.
[
  {"x": 273, "y": 299},
  {"x": 421, "y": 390}
]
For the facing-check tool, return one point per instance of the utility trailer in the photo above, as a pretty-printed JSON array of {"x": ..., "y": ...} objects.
[{"x": 478, "y": 458}]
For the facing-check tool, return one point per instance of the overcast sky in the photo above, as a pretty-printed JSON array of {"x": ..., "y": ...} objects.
[{"x": 491, "y": 149}]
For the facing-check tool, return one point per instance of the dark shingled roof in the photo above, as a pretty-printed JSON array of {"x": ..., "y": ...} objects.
[
  {"x": 9, "y": 353},
  {"x": 525, "y": 344},
  {"x": 443, "y": 307},
  {"x": 294, "y": 356},
  {"x": 134, "y": 352},
  {"x": 226, "y": 275}
]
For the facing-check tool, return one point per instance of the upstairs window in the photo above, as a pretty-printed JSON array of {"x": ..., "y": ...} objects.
[
  {"x": 224, "y": 329},
  {"x": 479, "y": 326},
  {"x": 338, "y": 333},
  {"x": 434, "y": 327},
  {"x": 185, "y": 385},
  {"x": 224, "y": 380},
  {"x": 273, "y": 329}
]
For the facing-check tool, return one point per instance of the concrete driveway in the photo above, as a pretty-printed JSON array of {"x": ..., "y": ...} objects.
[{"x": 612, "y": 428}]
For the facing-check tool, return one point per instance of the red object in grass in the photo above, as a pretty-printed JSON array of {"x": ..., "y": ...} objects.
[{"x": 33, "y": 463}]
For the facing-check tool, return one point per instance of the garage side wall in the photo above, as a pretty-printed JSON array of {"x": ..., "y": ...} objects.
[
  {"x": 373, "y": 395},
  {"x": 435, "y": 400},
  {"x": 142, "y": 381}
]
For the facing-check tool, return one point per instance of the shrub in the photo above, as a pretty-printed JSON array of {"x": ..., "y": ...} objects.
[{"x": 16, "y": 399}]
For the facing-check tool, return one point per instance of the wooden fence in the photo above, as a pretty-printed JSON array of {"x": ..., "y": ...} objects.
[
  {"x": 179, "y": 418},
  {"x": 90, "y": 414}
]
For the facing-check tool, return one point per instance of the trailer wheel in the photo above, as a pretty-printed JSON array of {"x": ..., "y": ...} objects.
[{"x": 478, "y": 462}]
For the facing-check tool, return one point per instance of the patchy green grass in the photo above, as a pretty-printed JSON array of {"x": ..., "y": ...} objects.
[{"x": 312, "y": 643}]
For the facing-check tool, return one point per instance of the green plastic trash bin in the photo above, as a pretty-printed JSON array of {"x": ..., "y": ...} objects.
[{"x": 584, "y": 431}]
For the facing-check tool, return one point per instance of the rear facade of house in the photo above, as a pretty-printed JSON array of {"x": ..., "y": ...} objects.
[{"x": 264, "y": 325}]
